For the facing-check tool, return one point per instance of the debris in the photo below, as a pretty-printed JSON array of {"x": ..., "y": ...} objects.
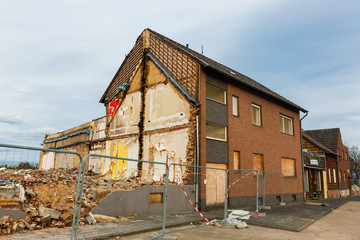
[
  {"x": 48, "y": 211},
  {"x": 235, "y": 216},
  {"x": 239, "y": 214},
  {"x": 90, "y": 219},
  {"x": 103, "y": 218},
  {"x": 46, "y": 198}
]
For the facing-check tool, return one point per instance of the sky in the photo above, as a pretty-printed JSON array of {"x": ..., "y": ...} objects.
[{"x": 58, "y": 57}]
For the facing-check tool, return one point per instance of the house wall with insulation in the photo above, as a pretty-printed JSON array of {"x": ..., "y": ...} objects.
[{"x": 152, "y": 119}]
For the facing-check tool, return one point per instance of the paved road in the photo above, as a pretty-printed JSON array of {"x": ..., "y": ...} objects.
[{"x": 341, "y": 223}]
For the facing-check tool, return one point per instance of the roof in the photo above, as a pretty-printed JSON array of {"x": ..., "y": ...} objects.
[
  {"x": 327, "y": 137},
  {"x": 317, "y": 143},
  {"x": 129, "y": 64},
  {"x": 238, "y": 77}
]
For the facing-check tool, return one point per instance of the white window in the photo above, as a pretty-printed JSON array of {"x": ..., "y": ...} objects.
[
  {"x": 334, "y": 175},
  {"x": 216, "y": 132},
  {"x": 235, "y": 106},
  {"x": 286, "y": 125},
  {"x": 215, "y": 94},
  {"x": 329, "y": 176},
  {"x": 256, "y": 114}
]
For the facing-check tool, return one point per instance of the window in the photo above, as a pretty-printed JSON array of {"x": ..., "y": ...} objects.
[
  {"x": 258, "y": 163},
  {"x": 236, "y": 160},
  {"x": 346, "y": 156},
  {"x": 288, "y": 167},
  {"x": 214, "y": 131},
  {"x": 215, "y": 94},
  {"x": 256, "y": 114},
  {"x": 334, "y": 175},
  {"x": 286, "y": 125},
  {"x": 329, "y": 176},
  {"x": 235, "y": 106}
]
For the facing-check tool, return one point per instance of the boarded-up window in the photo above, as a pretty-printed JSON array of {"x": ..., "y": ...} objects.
[
  {"x": 236, "y": 160},
  {"x": 258, "y": 162},
  {"x": 216, "y": 132},
  {"x": 334, "y": 175},
  {"x": 215, "y": 94},
  {"x": 256, "y": 114},
  {"x": 288, "y": 167},
  {"x": 235, "y": 106},
  {"x": 286, "y": 125}
]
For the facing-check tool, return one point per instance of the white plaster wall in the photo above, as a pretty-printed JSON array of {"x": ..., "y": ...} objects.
[
  {"x": 127, "y": 117},
  {"x": 99, "y": 129},
  {"x": 64, "y": 160},
  {"x": 165, "y": 108},
  {"x": 169, "y": 147},
  {"x": 48, "y": 160}
]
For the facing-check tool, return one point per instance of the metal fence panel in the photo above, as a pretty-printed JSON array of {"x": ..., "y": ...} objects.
[{"x": 21, "y": 153}]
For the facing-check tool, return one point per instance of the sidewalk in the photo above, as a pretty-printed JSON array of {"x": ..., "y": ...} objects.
[{"x": 293, "y": 217}]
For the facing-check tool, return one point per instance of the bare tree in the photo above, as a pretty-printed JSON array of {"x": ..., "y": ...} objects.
[{"x": 354, "y": 154}]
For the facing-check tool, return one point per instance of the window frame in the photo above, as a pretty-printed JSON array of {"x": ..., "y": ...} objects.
[
  {"x": 211, "y": 86},
  {"x": 257, "y": 106},
  {"x": 334, "y": 171},
  {"x": 237, "y": 105},
  {"x": 218, "y": 139},
  {"x": 282, "y": 124}
]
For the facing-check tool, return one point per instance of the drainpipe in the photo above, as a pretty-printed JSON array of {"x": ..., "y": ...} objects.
[
  {"x": 197, "y": 164},
  {"x": 325, "y": 175},
  {"x": 338, "y": 179},
  {"x": 302, "y": 155}
]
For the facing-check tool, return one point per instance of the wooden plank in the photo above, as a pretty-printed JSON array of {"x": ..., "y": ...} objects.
[{"x": 215, "y": 184}]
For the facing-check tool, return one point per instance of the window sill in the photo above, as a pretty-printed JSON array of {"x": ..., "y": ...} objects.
[
  {"x": 288, "y": 134},
  {"x": 216, "y": 139}
]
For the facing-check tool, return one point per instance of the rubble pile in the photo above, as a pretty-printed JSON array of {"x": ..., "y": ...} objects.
[{"x": 48, "y": 197}]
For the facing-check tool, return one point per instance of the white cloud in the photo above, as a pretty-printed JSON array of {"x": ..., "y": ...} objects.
[{"x": 10, "y": 118}]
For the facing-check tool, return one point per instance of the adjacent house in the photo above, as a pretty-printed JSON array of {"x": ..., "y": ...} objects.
[
  {"x": 170, "y": 104},
  {"x": 337, "y": 162},
  {"x": 316, "y": 157}
]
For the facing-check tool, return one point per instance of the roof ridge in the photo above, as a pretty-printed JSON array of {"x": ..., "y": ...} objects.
[{"x": 244, "y": 79}]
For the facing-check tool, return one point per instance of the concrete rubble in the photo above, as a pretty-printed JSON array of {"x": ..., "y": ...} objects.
[{"x": 46, "y": 198}]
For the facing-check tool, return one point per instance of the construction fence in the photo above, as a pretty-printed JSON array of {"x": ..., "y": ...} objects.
[{"x": 151, "y": 188}]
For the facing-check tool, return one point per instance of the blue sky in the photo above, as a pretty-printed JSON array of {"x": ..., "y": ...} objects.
[{"x": 58, "y": 57}]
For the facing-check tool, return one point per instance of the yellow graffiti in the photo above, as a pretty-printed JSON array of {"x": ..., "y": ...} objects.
[
  {"x": 112, "y": 167},
  {"x": 122, "y": 165}
]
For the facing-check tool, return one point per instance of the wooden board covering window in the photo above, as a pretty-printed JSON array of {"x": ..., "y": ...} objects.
[
  {"x": 236, "y": 160},
  {"x": 288, "y": 167},
  {"x": 215, "y": 184},
  {"x": 258, "y": 162}
]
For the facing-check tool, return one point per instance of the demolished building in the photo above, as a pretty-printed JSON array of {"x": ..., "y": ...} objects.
[{"x": 170, "y": 104}]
